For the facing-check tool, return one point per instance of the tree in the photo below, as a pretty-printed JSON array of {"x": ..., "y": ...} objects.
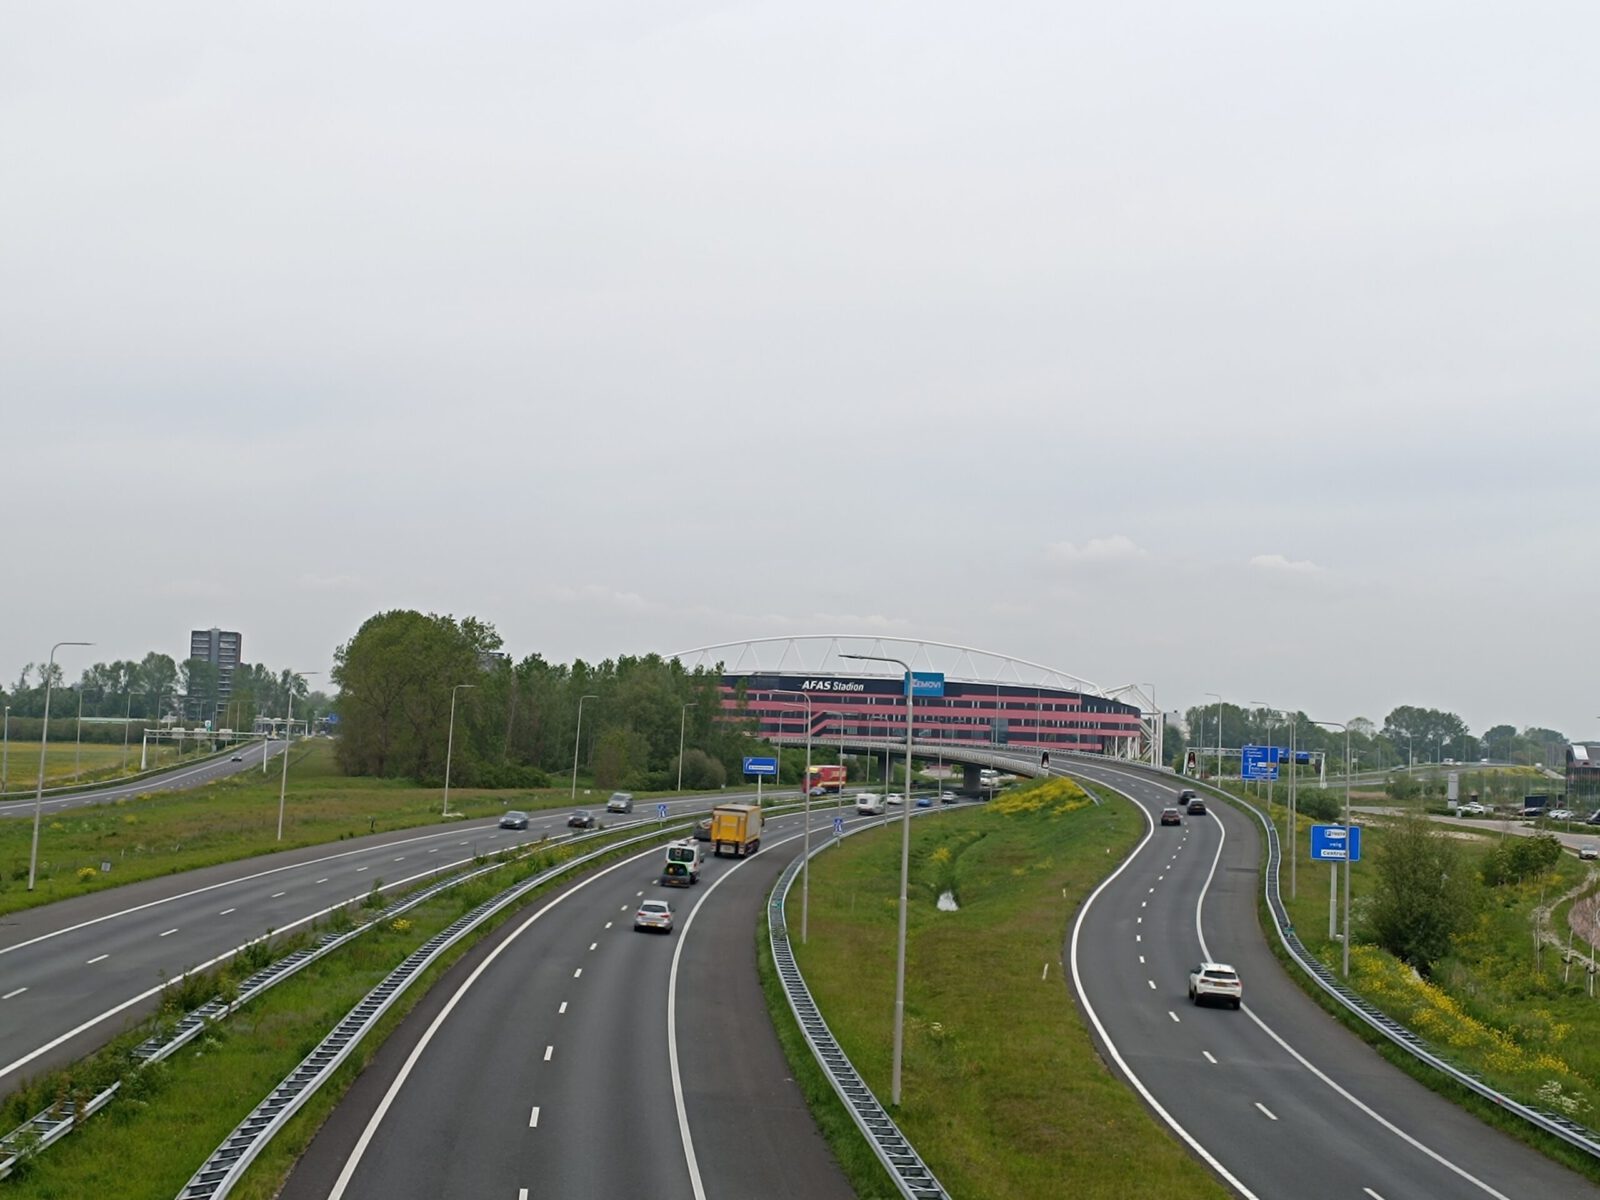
[{"x": 1423, "y": 895}]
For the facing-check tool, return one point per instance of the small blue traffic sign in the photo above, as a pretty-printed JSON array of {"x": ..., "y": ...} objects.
[
  {"x": 761, "y": 766},
  {"x": 661, "y": 810},
  {"x": 1335, "y": 843},
  {"x": 838, "y": 826}
]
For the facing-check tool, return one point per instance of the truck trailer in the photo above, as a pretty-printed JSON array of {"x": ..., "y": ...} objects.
[{"x": 737, "y": 827}]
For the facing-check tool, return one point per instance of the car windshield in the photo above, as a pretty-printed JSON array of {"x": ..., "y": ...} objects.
[
  {"x": 1220, "y": 973},
  {"x": 515, "y": 816}
]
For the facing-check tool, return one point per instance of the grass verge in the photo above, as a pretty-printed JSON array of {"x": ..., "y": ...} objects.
[{"x": 1003, "y": 1091}]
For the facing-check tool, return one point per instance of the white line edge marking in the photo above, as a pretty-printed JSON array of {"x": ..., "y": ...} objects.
[
  {"x": 210, "y": 887},
  {"x": 10, "y": 994},
  {"x": 1372, "y": 1193},
  {"x": 324, "y": 879},
  {"x": 360, "y": 1148},
  {"x": 169, "y": 932},
  {"x": 672, "y": 1022},
  {"x": 1174, "y": 1017},
  {"x": 275, "y": 895},
  {"x": 1188, "y": 1138},
  {"x": 563, "y": 1007},
  {"x": 226, "y": 911}
]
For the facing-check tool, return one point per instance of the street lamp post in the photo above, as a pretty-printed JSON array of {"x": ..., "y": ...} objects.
[
  {"x": 905, "y": 871},
  {"x": 1219, "y": 734},
  {"x": 450, "y": 745},
  {"x": 577, "y": 740},
  {"x": 1342, "y": 725},
  {"x": 127, "y": 719},
  {"x": 1267, "y": 708},
  {"x": 805, "y": 853},
  {"x": 44, "y": 740},
  {"x": 683, "y": 717},
  {"x": 288, "y": 723},
  {"x": 5, "y": 756},
  {"x": 77, "y": 754}
]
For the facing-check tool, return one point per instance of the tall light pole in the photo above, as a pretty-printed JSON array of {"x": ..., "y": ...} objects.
[
  {"x": 1342, "y": 725},
  {"x": 683, "y": 717},
  {"x": 577, "y": 740},
  {"x": 77, "y": 755},
  {"x": 1267, "y": 708},
  {"x": 1294, "y": 814},
  {"x": 450, "y": 744},
  {"x": 5, "y": 756},
  {"x": 1219, "y": 733},
  {"x": 288, "y": 726},
  {"x": 44, "y": 740},
  {"x": 905, "y": 871},
  {"x": 805, "y": 853},
  {"x": 127, "y": 719}
]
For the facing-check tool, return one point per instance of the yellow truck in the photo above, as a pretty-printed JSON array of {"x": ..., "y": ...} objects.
[{"x": 736, "y": 826}]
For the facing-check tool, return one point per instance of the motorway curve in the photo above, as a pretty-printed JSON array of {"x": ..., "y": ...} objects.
[{"x": 1279, "y": 1098}]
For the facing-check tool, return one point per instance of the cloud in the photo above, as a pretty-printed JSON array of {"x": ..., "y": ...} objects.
[
  {"x": 1278, "y": 564},
  {"x": 1116, "y": 548}
]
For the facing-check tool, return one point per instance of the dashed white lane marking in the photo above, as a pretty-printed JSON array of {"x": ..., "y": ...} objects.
[
  {"x": 435, "y": 850},
  {"x": 97, "y": 958},
  {"x": 1174, "y": 1017},
  {"x": 360, "y": 869},
  {"x": 275, "y": 895},
  {"x": 461, "y": 843},
  {"x": 17, "y": 992},
  {"x": 578, "y": 974},
  {"x": 592, "y": 945},
  {"x": 522, "y": 1193},
  {"x": 548, "y": 1051},
  {"x": 1138, "y": 937},
  {"x": 1045, "y": 974},
  {"x": 401, "y": 858},
  {"x": 169, "y": 932},
  {"x": 1141, "y": 958},
  {"x": 324, "y": 879},
  {"x": 533, "y": 1123},
  {"x": 563, "y": 1007},
  {"x": 1140, "y": 920},
  {"x": 1152, "y": 984},
  {"x": 1372, "y": 1193},
  {"x": 1152, "y": 891},
  {"x": 1265, "y": 1111},
  {"x": 1209, "y": 1057},
  {"x": 640, "y": 893},
  {"x": 226, "y": 911},
  {"x": 608, "y": 924},
  {"x": 625, "y": 907}
]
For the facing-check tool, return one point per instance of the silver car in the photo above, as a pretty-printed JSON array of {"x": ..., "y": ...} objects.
[
  {"x": 653, "y": 914},
  {"x": 620, "y": 802}
]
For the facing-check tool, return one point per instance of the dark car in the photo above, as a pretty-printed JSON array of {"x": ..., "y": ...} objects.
[
  {"x": 238, "y": 758},
  {"x": 1197, "y": 807},
  {"x": 514, "y": 820},
  {"x": 702, "y": 830},
  {"x": 1171, "y": 816},
  {"x": 1186, "y": 795},
  {"x": 581, "y": 820}
]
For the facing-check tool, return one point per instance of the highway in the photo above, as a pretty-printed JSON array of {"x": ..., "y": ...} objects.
[
  {"x": 1278, "y": 1098},
  {"x": 179, "y": 778},
  {"x": 572, "y": 1056},
  {"x": 75, "y": 973}
]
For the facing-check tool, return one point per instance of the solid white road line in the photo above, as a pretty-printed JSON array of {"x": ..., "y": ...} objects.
[
  {"x": 1209, "y": 1057},
  {"x": 343, "y": 1182},
  {"x": 169, "y": 932},
  {"x": 522, "y": 1194},
  {"x": 1267, "y": 1112},
  {"x": 97, "y": 958},
  {"x": 324, "y": 879},
  {"x": 10, "y": 994},
  {"x": 548, "y": 1051},
  {"x": 533, "y": 1123}
]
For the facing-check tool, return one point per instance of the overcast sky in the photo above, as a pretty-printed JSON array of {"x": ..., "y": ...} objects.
[{"x": 1242, "y": 347}]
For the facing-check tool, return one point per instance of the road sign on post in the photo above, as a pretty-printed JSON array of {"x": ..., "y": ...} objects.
[
  {"x": 761, "y": 767},
  {"x": 1335, "y": 843},
  {"x": 661, "y": 811},
  {"x": 838, "y": 827},
  {"x": 925, "y": 683},
  {"x": 1258, "y": 762}
]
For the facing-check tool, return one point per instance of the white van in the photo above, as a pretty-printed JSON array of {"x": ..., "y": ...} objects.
[{"x": 869, "y": 804}]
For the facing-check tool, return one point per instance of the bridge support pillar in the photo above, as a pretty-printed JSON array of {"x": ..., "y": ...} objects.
[{"x": 970, "y": 779}]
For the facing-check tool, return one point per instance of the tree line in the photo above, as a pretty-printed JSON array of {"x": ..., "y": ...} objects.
[
  {"x": 516, "y": 723},
  {"x": 1408, "y": 735},
  {"x": 154, "y": 688}
]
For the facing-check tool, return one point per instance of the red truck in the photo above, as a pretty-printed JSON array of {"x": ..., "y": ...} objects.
[{"x": 825, "y": 780}]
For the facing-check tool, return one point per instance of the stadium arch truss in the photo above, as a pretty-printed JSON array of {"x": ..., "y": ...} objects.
[{"x": 990, "y": 699}]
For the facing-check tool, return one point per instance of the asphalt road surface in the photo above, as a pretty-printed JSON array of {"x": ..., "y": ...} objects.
[
  {"x": 179, "y": 778},
  {"x": 74, "y": 974},
  {"x": 1278, "y": 1098},
  {"x": 572, "y": 1056}
]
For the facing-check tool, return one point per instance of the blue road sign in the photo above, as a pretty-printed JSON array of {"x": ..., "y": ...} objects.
[
  {"x": 838, "y": 826},
  {"x": 1335, "y": 843},
  {"x": 761, "y": 766},
  {"x": 1258, "y": 762},
  {"x": 661, "y": 811},
  {"x": 926, "y": 683}
]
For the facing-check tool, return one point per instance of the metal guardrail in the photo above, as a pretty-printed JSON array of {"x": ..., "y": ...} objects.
[
  {"x": 227, "y": 1164},
  {"x": 1556, "y": 1124},
  {"x": 905, "y": 1166}
]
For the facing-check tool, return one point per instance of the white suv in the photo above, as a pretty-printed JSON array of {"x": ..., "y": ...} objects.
[{"x": 1217, "y": 980}]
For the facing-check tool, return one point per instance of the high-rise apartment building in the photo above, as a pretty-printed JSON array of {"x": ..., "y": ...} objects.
[{"x": 221, "y": 648}]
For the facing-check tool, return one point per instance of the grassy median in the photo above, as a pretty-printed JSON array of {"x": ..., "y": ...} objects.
[{"x": 1003, "y": 1092}]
